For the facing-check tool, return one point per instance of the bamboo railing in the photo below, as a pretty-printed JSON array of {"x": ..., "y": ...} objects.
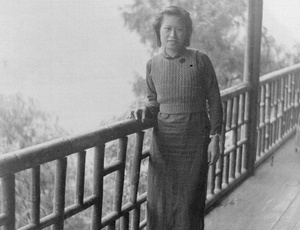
[
  {"x": 278, "y": 109},
  {"x": 278, "y": 104}
]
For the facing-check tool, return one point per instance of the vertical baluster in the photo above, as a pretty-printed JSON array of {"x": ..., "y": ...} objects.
[
  {"x": 281, "y": 125},
  {"x": 286, "y": 118},
  {"x": 296, "y": 97},
  {"x": 136, "y": 165},
  {"x": 120, "y": 175},
  {"x": 9, "y": 202},
  {"x": 98, "y": 186},
  {"x": 286, "y": 105},
  {"x": 297, "y": 84},
  {"x": 124, "y": 223},
  {"x": 246, "y": 157},
  {"x": 135, "y": 177},
  {"x": 222, "y": 149},
  {"x": 35, "y": 196},
  {"x": 229, "y": 114},
  {"x": 231, "y": 136},
  {"x": 280, "y": 109},
  {"x": 298, "y": 92},
  {"x": 261, "y": 123},
  {"x": 81, "y": 157},
  {"x": 291, "y": 88},
  {"x": 267, "y": 118},
  {"x": 235, "y": 128},
  {"x": 285, "y": 108},
  {"x": 227, "y": 128},
  {"x": 226, "y": 171},
  {"x": 239, "y": 161},
  {"x": 273, "y": 112},
  {"x": 234, "y": 140},
  {"x": 271, "y": 108},
  {"x": 59, "y": 196},
  {"x": 293, "y": 100},
  {"x": 136, "y": 213},
  {"x": 242, "y": 116},
  {"x": 277, "y": 115},
  {"x": 293, "y": 91},
  {"x": 241, "y": 134},
  {"x": 259, "y": 119},
  {"x": 290, "y": 116}
]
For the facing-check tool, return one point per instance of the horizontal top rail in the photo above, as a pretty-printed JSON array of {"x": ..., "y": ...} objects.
[
  {"x": 278, "y": 73},
  {"x": 45, "y": 152},
  {"x": 234, "y": 91}
]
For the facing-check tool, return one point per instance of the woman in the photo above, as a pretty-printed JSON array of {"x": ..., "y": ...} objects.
[{"x": 181, "y": 86}]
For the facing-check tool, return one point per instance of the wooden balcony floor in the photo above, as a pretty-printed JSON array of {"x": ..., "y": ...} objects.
[{"x": 268, "y": 200}]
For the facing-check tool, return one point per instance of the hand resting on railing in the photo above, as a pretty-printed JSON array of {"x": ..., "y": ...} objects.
[{"x": 141, "y": 113}]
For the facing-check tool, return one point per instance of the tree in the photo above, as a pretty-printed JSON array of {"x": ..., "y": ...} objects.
[
  {"x": 23, "y": 124},
  {"x": 217, "y": 30}
]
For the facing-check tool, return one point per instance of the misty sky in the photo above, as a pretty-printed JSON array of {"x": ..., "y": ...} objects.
[{"x": 77, "y": 60}]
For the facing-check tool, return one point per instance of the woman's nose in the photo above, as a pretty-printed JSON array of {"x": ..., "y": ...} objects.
[{"x": 173, "y": 34}]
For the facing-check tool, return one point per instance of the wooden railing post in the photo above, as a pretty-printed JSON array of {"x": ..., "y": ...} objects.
[
  {"x": 252, "y": 73},
  {"x": 9, "y": 202},
  {"x": 98, "y": 185},
  {"x": 35, "y": 195},
  {"x": 60, "y": 190}
]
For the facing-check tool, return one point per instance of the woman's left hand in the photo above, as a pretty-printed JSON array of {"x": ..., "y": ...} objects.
[{"x": 213, "y": 150}]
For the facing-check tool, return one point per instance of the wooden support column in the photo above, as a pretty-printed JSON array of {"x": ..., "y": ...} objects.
[{"x": 252, "y": 73}]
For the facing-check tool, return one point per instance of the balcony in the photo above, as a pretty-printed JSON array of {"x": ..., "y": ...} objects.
[
  {"x": 278, "y": 112},
  {"x": 98, "y": 177},
  {"x": 268, "y": 200}
]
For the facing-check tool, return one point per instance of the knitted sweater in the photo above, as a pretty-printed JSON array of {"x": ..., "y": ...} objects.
[{"x": 184, "y": 84}]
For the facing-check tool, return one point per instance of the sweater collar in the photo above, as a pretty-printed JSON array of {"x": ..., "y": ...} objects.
[{"x": 167, "y": 56}]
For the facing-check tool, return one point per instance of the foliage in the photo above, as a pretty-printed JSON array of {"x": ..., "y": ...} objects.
[
  {"x": 23, "y": 123},
  {"x": 274, "y": 57},
  {"x": 219, "y": 31},
  {"x": 139, "y": 87}
]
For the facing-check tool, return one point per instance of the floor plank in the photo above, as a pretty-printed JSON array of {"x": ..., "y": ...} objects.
[
  {"x": 291, "y": 216},
  {"x": 269, "y": 200}
]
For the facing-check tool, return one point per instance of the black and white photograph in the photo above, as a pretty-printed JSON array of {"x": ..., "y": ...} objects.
[{"x": 150, "y": 114}]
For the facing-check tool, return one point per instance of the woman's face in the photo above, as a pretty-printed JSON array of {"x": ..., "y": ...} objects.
[{"x": 172, "y": 34}]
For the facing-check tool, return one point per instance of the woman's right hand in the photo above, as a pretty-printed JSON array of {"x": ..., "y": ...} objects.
[{"x": 140, "y": 113}]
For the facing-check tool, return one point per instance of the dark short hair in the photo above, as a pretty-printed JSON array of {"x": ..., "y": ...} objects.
[{"x": 174, "y": 11}]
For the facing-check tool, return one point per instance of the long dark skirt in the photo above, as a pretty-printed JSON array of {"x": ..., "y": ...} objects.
[{"x": 177, "y": 173}]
